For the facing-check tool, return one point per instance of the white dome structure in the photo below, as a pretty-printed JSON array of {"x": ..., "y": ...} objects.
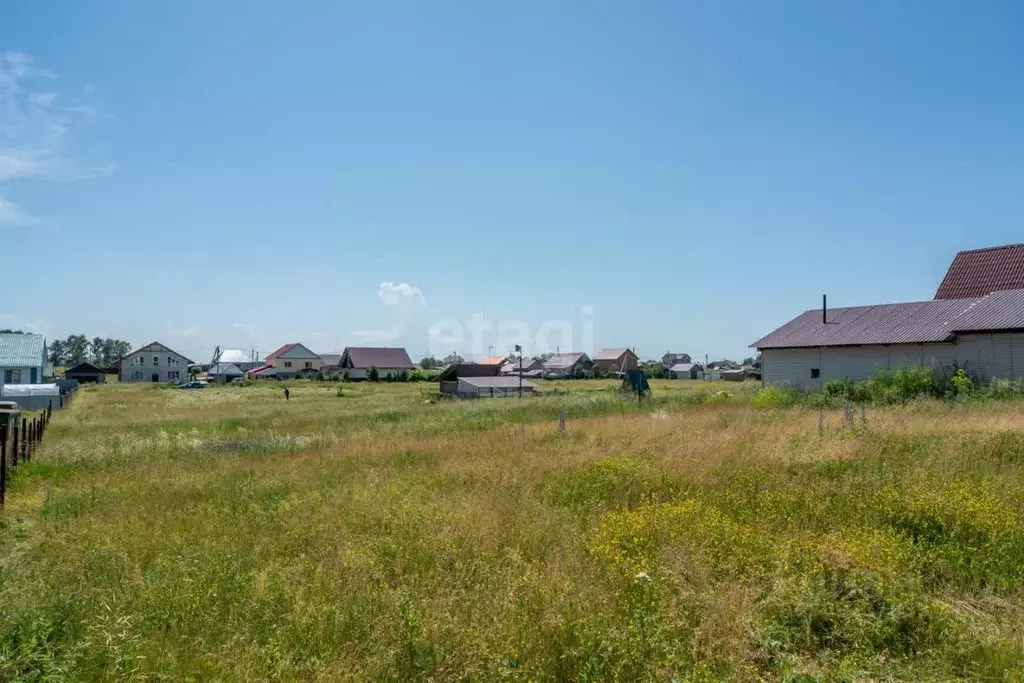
[{"x": 234, "y": 356}]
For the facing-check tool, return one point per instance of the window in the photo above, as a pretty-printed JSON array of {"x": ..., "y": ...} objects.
[
  {"x": 287, "y": 363},
  {"x": 13, "y": 376},
  {"x": 309, "y": 363},
  {"x": 173, "y": 375},
  {"x": 171, "y": 360},
  {"x": 815, "y": 373},
  {"x": 156, "y": 361}
]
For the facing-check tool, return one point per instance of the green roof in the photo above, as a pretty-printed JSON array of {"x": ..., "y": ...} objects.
[{"x": 21, "y": 350}]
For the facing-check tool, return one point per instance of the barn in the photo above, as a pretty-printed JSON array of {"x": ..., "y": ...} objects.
[
  {"x": 85, "y": 372},
  {"x": 984, "y": 335},
  {"x": 975, "y": 322}
]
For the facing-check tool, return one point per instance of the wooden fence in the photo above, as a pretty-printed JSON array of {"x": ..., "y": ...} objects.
[{"x": 20, "y": 441}]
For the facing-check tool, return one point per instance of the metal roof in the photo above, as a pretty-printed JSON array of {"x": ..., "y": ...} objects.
[
  {"x": 225, "y": 369},
  {"x": 906, "y": 323},
  {"x": 682, "y": 367},
  {"x": 21, "y": 350},
  {"x": 564, "y": 360},
  {"x": 977, "y": 272},
  {"x": 331, "y": 359},
  {"x": 496, "y": 382},
  {"x": 609, "y": 354},
  {"x": 380, "y": 357}
]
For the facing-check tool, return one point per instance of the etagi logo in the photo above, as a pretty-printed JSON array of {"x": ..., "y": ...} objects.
[{"x": 478, "y": 334}]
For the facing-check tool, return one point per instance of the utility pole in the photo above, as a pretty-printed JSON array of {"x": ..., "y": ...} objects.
[{"x": 519, "y": 349}]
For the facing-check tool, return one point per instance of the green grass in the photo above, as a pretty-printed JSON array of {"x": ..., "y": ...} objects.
[{"x": 228, "y": 534}]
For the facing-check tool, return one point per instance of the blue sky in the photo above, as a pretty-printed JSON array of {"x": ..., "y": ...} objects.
[{"x": 252, "y": 173}]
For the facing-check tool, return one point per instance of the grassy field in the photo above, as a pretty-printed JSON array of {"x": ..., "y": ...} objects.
[{"x": 226, "y": 534}]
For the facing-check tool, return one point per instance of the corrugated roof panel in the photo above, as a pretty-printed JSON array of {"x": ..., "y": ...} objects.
[
  {"x": 905, "y": 323},
  {"x": 977, "y": 272},
  {"x": 21, "y": 350}
]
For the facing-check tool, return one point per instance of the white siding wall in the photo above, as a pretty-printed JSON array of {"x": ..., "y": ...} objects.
[
  {"x": 134, "y": 371},
  {"x": 987, "y": 355}
]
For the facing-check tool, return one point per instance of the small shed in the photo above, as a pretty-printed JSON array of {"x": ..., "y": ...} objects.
[
  {"x": 491, "y": 387},
  {"x": 448, "y": 378},
  {"x": 735, "y": 375},
  {"x": 684, "y": 371},
  {"x": 224, "y": 372},
  {"x": 86, "y": 372}
]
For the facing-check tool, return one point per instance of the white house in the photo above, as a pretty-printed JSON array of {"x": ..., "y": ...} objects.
[{"x": 154, "y": 363}]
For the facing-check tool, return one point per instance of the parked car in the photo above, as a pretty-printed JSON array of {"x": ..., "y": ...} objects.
[{"x": 192, "y": 385}]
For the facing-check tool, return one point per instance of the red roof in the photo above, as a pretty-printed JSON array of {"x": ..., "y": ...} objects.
[
  {"x": 274, "y": 354},
  {"x": 977, "y": 272}
]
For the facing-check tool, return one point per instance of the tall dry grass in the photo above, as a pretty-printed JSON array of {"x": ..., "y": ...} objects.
[{"x": 378, "y": 537}]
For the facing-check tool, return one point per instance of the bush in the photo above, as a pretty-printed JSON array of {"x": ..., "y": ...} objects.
[
  {"x": 774, "y": 396},
  {"x": 373, "y": 374}
]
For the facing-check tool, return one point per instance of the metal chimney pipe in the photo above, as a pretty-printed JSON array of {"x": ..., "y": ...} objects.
[{"x": 824, "y": 310}]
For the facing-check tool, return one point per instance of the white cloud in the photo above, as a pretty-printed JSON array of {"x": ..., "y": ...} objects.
[
  {"x": 396, "y": 295},
  {"x": 35, "y": 127},
  {"x": 10, "y": 214},
  {"x": 249, "y": 328}
]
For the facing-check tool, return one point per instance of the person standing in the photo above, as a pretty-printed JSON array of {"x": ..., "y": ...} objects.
[{"x": 287, "y": 394}]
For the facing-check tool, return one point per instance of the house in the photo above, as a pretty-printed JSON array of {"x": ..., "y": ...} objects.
[
  {"x": 22, "y": 358},
  {"x": 616, "y": 360},
  {"x": 331, "y": 362},
  {"x": 224, "y": 372},
  {"x": 494, "y": 360},
  {"x": 734, "y": 375},
  {"x": 566, "y": 364},
  {"x": 979, "y": 334},
  {"x": 492, "y": 387},
  {"x": 357, "y": 361},
  {"x": 531, "y": 367},
  {"x": 449, "y": 377},
  {"x": 154, "y": 363},
  {"x": 685, "y": 371},
  {"x": 292, "y": 359},
  {"x": 86, "y": 372},
  {"x": 670, "y": 359}
]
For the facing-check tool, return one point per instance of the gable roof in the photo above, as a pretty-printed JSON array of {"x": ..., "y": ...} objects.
[
  {"x": 682, "y": 367},
  {"x": 331, "y": 359},
  {"x": 906, "y": 323},
  {"x": 225, "y": 369},
  {"x": 293, "y": 350},
  {"x": 610, "y": 354},
  {"x": 565, "y": 360},
  {"x": 976, "y": 272},
  {"x": 156, "y": 347},
  {"x": 380, "y": 357},
  {"x": 493, "y": 360},
  {"x": 83, "y": 367},
  {"x": 21, "y": 350},
  {"x": 459, "y": 370}
]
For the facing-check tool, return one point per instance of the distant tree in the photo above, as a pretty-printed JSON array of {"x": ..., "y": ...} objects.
[
  {"x": 654, "y": 370},
  {"x": 373, "y": 374},
  {"x": 56, "y": 351},
  {"x": 757, "y": 361},
  {"x": 96, "y": 351},
  {"x": 749, "y": 360},
  {"x": 10, "y": 331},
  {"x": 193, "y": 371},
  {"x": 452, "y": 359},
  {"x": 345, "y": 377},
  {"x": 119, "y": 348},
  {"x": 77, "y": 349},
  {"x": 429, "y": 363}
]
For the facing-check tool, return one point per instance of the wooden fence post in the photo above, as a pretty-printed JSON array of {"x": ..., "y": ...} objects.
[
  {"x": 14, "y": 449},
  {"x": 3, "y": 460},
  {"x": 24, "y": 438},
  {"x": 31, "y": 439},
  {"x": 49, "y": 410}
]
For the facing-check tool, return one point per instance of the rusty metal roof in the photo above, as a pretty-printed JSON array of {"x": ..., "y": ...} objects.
[
  {"x": 906, "y": 323},
  {"x": 977, "y": 272}
]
